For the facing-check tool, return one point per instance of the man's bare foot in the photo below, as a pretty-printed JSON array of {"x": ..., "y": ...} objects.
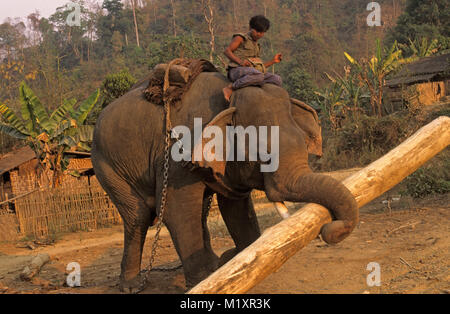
[{"x": 227, "y": 92}]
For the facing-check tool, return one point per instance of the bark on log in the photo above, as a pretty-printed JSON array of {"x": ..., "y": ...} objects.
[
  {"x": 178, "y": 74},
  {"x": 35, "y": 267},
  {"x": 282, "y": 241}
]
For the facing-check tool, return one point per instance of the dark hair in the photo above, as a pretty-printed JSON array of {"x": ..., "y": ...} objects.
[{"x": 260, "y": 23}]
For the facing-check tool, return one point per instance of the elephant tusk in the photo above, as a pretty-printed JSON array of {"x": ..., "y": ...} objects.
[{"x": 282, "y": 210}]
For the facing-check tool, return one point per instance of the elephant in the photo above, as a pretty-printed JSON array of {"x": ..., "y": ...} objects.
[{"x": 128, "y": 160}]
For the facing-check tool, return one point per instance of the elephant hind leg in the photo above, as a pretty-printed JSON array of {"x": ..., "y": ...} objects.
[{"x": 137, "y": 216}]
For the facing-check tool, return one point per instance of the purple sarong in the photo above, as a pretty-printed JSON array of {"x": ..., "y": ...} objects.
[{"x": 247, "y": 76}]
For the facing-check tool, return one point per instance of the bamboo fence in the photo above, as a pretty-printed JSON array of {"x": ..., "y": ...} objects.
[{"x": 69, "y": 208}]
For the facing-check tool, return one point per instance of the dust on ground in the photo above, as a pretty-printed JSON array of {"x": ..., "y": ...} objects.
[{"x": 410, "y": 242}]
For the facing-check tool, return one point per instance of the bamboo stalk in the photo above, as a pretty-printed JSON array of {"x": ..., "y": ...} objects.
[
  {"x": 282, "y": 241},
  {"x": 17, "y": 197}
]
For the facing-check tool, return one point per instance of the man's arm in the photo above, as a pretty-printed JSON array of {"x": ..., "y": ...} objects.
[
  {"x": 237, "y": 41},
  {"x": 277, "y": 59}
]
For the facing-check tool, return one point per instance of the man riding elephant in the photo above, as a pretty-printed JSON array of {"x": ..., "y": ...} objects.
[{"x": 246, "y": 67}]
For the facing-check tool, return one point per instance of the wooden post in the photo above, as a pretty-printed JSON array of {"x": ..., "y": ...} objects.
[{"x": 282, "y": 241}]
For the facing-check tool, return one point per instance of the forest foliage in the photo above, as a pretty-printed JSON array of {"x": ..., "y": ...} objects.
[{"x": 60, "y": 61}]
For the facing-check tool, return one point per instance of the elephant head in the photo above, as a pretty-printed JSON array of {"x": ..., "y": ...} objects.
[{"x": 299, "y": 134}]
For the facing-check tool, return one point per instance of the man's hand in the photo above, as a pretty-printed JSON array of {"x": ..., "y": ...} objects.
[
  {"x": 278, "y": 58},
  {"x": 245, "y": 63}
]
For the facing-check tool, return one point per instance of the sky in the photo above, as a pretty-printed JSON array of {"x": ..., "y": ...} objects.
[{"x": 22, "y": 8}]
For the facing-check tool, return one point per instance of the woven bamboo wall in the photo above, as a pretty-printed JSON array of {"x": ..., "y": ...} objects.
[
  {"x": 29, "y": 181},
  {"x": 8, "y": 226},
  {"x": 65, "y": 209},
  {"x": 80, "y": 164}
]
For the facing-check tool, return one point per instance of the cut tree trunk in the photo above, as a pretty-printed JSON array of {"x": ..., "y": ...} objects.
[
  {"x": 282, "y": 241},
  {"x": 178, "y": 73}
]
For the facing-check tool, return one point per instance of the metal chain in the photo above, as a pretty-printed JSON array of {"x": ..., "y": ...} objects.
[
  {"x": 147, "y": 270},
  {"x": 168, "y": 127}
]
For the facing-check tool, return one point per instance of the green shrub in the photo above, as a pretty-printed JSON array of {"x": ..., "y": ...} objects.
[
  {"x": 433, "y": 178},
  {"x": 424, "y": 182},
  {"x": 359, "y": 142},
  {"x": 116, "y": 85}
]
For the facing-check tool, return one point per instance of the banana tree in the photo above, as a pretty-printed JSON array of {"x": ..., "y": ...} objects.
[
  {"x": 50, "y": 136},
  {"x": 332, "y": 104},
  {"x": 353, "y": 90},
  {"x": 420, "y": 48},
  {"x": 374, "y": 71}
]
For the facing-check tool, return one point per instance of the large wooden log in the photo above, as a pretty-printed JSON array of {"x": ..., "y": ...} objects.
[
  {"x": 178, "y": 74},
  {"x": 283, "y": 240}
]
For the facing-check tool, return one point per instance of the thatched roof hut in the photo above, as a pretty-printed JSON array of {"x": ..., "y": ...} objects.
[
  {"x": 18, "y": 171},
  {"x": 435, "y": 68},
  {"x": 426, "y": 81},
  {"x": 15, "y": 159}
]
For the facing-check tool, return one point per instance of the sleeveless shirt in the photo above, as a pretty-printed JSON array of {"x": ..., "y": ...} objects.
[{"x": 249, "y": 50}]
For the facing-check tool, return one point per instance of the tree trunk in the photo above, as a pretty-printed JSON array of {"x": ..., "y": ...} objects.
[
  {"x": 282, "y": 241},
  {"x": 208, "y": 13},
  {"x": 174, "y": 17},
  {"x": 133, "y": 6}
]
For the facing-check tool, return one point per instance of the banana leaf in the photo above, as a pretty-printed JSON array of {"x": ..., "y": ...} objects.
[
  {"x": 11, "y": 131},
  {"x": 32, "y": 105},
  {"x": 86, "y": 133},
  {"x": 60, "y": 113},
  {"x": 84, "y": 146},
  {"x": 86, "y": 107},
  {"x": 13, "y": 121}
]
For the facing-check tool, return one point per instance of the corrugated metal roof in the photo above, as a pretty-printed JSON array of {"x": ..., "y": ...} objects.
[{"x": 15, "y": 159}]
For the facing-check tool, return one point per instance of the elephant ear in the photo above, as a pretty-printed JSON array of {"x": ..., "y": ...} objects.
[
  {"x": 216, "y": 160},
  {"x": 308, "y": 121}
]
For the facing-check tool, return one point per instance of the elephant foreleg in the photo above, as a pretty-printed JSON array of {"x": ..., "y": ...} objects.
[
  {"x": 241, "y": 221},
  {"x": 185, "y": 218}
]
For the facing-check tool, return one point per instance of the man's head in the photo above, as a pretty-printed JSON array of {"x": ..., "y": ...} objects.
[{"x": 259, "y": 25}]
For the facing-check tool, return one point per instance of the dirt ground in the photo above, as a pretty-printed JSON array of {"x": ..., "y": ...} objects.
[{"x": 410, "y": 242}]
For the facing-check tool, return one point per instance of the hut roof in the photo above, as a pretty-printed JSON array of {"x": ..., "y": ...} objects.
[
  {"x": 15, "y": 159},
  {"x": 18, "y": 157},
  {"x": 422, "y": 70}
]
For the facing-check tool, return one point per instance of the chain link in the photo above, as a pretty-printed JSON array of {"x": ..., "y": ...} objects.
[{"x": 147, "y": 270}]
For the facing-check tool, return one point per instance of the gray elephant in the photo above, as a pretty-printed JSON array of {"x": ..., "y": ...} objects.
[{"x": 128, "y": 159}]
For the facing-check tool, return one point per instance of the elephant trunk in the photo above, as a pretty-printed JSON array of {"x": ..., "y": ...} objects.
[
  {"x": 320, "y": 189},
  {"x": 332, "y": 194}
]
